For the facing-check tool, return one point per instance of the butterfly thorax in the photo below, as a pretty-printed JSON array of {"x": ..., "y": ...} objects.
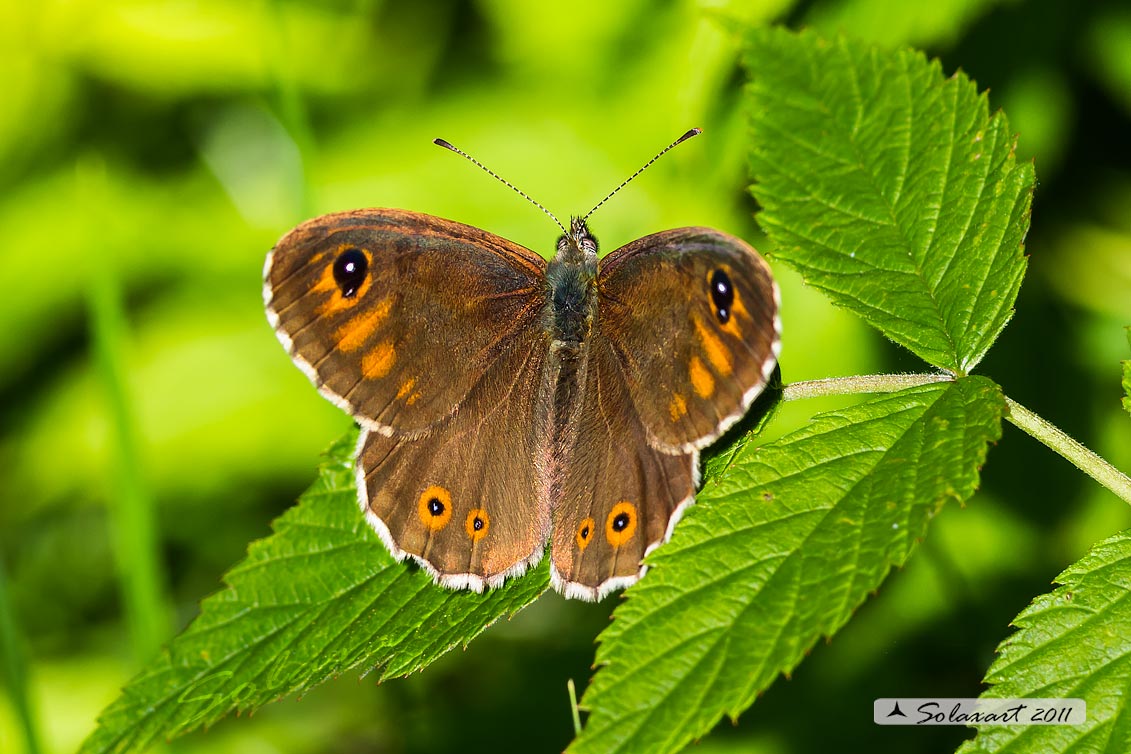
[{"x": 571, "y": 276}]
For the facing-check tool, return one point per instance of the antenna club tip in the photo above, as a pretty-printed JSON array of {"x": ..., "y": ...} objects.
[
  {"x": 692, "y": 132},
  {"x": 442, "y": 143}
]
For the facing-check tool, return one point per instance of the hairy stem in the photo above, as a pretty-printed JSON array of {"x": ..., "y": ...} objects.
[
  {"x": 1052, "y": 436},
  {"x": 1080, "y": 456}
]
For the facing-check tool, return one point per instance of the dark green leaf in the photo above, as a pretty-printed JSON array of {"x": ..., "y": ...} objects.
[
  {"x": 786, "y": 541},
  {"x": 319, "y": 597},
  {"x": 1072, "y": 642},
  {"x": 891, "y": 188}
]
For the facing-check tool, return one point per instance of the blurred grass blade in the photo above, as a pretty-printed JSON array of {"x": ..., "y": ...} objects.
[
  {"x": 1127, "y": 378},
  {"x": 13, "y": 666},
  {"x": 319, "y": 597},
  {"x": 785, "y": 543},
  {"x": 891, "y": 188},
  {"x": 140, "y": 573},
  {"x": 1071, "y": 642}
]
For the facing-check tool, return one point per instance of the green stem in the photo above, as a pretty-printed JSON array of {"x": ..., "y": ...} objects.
[
  {"x": 1080, "y": 457},
  {"x": 867, "y": 383},
  {"x": 1052, "y": 436},
  {"x": 13, "y": 668},
  {"x": 573, "y": 707}
]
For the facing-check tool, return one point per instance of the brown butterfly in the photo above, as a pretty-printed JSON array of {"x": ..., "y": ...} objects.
[{"x": 506, "y": 402}]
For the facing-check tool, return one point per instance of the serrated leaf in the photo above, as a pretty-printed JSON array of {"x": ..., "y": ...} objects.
[
  {"x": 891, "y": 188},
  {"x": 319, "y": 597},
  {"x": 1072, "y": 642},
  {"x": 782, "y": 547}
]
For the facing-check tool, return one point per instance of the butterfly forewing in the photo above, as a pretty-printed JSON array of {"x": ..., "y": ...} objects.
[
  {"x": 693, "y": 316},
  {"x": 396, "y": 315}
]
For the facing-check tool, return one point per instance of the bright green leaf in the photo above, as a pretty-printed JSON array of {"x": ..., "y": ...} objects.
[
  {"x": 786, "y": 541},
  {"x": 891, "y": 188},
  {"x": 1072, "y": 642},
  {"x": 319, "y": 597}
]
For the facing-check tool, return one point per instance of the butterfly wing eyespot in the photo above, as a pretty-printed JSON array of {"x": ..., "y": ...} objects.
[
  {"x": 435, "y": 507},
  {"x": 478, "y": 523},
  {"x": 350, "y": 269},
  {"x": 722, "y": 294},
  {"x": 585, "y": 533},
  {"x": 620, "y": 526}
]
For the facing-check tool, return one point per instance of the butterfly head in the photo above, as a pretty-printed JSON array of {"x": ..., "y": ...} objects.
[{"x": 578, "y": 246}]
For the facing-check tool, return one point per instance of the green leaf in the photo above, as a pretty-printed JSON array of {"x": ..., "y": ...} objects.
[
  {"x": 1072, "y": 642},
  {"x": 319, "y": 597},
  {"x": 891, "y": 188},
  {"x": 786, "y": 541},
  {"x": 1127, "y": 378}
]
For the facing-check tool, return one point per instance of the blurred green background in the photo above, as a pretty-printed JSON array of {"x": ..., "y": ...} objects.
[{"x": 152, "y": 151}]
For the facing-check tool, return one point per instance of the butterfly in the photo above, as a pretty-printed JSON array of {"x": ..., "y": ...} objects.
[{"x": 507, "y": 403}]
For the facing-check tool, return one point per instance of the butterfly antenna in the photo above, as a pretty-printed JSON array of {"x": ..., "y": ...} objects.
[
  {"x": 496, "y": 176},
  {"x": 665, "y": 150}
]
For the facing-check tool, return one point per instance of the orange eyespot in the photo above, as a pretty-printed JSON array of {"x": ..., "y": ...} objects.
[
  {"x": 435, "y": 508},
  {"x": 621, "y": 523},
  {"x": 585, "y": 533},
  {"x": 477, "y": 525}
]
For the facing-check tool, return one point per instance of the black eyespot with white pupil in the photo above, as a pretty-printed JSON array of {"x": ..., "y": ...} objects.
[
  {"x": 620, "y": 522},
  {"x": 722, "y": 295},
  {"x": 477, "y": 524},
  {"x": 585, "y": 532},
  {"x": 349, "y": 271},
  {"x": 436, "y": 507}
]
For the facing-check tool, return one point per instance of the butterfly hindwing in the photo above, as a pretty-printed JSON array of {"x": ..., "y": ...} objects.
[
  {"x": 618, "y": 496},
  {"x": 466, "y": 500}
]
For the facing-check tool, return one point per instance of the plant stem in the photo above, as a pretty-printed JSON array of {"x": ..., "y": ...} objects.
[
  {"x": 867, "y": 383},
  {"x": 573, "y": 707},
  {"x": 1079, "y": 456}
]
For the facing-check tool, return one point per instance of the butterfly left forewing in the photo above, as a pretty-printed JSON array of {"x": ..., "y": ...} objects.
[{"x": 395, "y": 315}]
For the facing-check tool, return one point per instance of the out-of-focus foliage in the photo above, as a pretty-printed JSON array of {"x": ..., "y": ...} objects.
[{"x": 166, "y": 145}]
